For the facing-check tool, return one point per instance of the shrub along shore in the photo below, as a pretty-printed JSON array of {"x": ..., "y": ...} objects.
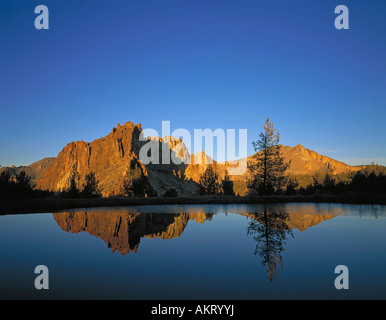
[{"x": 43, "y": 205}]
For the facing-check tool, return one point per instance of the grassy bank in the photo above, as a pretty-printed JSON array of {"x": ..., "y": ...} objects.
[{"x": 58, "y": 204}]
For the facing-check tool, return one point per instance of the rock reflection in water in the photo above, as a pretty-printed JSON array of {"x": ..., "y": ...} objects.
[{"x": 122, "y": 231}]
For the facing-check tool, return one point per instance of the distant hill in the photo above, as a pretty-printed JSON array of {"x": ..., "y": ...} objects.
[
  {"x": 117, "y": 154},
  {"x": 303, "y": 165},
  {"x": 305, "y": 161},
  {"x": 34, "y": 170}
]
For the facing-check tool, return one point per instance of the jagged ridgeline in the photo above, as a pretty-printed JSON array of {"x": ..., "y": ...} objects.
[{"x": 116, "y": 156}]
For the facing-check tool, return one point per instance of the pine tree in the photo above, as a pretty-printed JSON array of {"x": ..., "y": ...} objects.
[
  {"x": 134, "y": 183},
  {"x": 73, "y": 191},
  {"x": 267, "y": 173},
  {"x": 209, "y": 182},
  {"x": 91, "y": 186},
  {"x": 227, "y": 185},
  {"x": 292, "y": 186},
  {"x": 24, "y": 187}
]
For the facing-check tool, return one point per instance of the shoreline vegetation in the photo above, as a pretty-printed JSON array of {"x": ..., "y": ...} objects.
[{"x": 47, "y": 205}]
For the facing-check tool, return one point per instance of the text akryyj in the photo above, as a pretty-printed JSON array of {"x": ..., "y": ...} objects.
[{"x": 209, "y": 309}]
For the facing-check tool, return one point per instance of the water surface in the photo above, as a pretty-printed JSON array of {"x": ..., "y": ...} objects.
[{"x": 286, "y": 251}]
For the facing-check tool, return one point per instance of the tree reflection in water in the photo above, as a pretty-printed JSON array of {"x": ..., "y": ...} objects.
[{"x": 270, "y": 230}]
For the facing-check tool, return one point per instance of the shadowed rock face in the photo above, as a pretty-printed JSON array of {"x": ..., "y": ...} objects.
[{"x": 122, "y": 231}]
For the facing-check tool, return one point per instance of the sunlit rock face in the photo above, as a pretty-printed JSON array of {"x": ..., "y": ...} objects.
[
  {"x": 122, "y": 231},
  {"x": 109, "y": 158},
  {"x": 305, "y": 161}
]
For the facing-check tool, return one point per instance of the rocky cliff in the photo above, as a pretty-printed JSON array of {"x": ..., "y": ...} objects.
[{"x": 110, "y": 158}]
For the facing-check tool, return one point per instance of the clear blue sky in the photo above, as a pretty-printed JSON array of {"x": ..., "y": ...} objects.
[{"x": 200, "y": 64}]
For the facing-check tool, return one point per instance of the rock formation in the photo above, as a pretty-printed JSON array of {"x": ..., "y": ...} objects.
[
  {"x": 110, "y": 158},
  {"x": 123, "y": 231},
  {"x": 118, "y": 154}
]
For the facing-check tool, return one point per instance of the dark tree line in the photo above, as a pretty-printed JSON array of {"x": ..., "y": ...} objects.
[
  {"x": 361, "y": 182},
  {"x": 211, "y": 184},
  {"x": 19, "y": 187},
  {"x": 171, "y": 192},
  {"x": 90, "y": 188},
  {"x": 135, "y": 184}
]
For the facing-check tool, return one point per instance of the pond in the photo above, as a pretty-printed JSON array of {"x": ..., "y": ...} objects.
[{"x": 272, "y": 251}]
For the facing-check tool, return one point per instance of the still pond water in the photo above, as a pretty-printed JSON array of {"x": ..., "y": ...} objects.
[{"x": 286, "y": 251}]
